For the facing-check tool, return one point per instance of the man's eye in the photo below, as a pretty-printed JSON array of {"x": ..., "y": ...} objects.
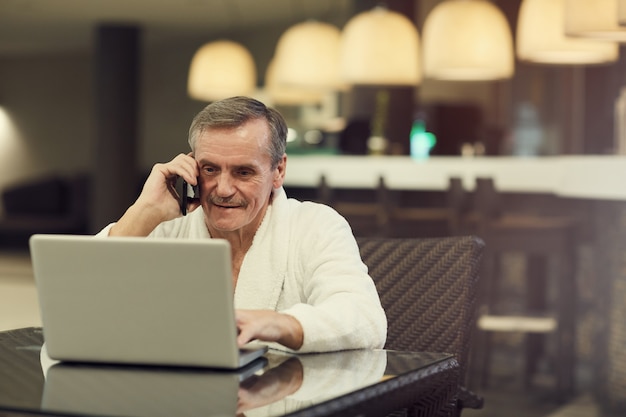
[
  {"x": 209, "y": 170},
  {"x": 244, "y": 173}
]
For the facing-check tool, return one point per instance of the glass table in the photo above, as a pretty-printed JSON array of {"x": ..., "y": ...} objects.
[{"x": 358, "y": 382}]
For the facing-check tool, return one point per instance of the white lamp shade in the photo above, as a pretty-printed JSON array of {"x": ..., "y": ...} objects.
[
  {"x": 467, "y": 40},
  {"x": 541, "y": 37},
  {"x": 219, "y": 70},
  {"x": 594, "y": 19},
  {"x": 307, "y": 55},
  {"x": 288, "y": 94},
  {"x": 621, "y": 12},
  {"x": 380, "y": 47}
]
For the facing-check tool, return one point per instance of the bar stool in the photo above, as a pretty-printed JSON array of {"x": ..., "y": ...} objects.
[
  {"x": 376, "y": 214},
  {"x": 538, "y": 238},
  {"x": 445, "y": 212},
  {"x": 363, "y": 209}
]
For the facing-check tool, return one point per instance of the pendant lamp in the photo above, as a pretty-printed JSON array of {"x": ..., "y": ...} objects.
[
  {"x": 467, "y": 40},
  {"x": 541, "y": 37},
  {"x": 380, "y": 47},
  {"x": 307, "y": 56},
  {"x": 621, "y": 12},
  {"x": 219, "y": 70},
  {"x": 594, "y": 19},
  {"x": 288, "y": 94}
]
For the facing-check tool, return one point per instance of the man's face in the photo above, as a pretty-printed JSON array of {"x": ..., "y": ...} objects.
[{"x": 236, "y": 176}]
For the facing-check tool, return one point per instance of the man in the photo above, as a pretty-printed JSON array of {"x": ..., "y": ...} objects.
[{"x": 299, "y": 280}]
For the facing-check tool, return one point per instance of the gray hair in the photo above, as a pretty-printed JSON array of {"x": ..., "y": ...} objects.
[{"x": 235, "y": 111}]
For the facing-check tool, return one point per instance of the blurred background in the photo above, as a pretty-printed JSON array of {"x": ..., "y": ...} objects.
[
  {"x": 93, "y": 93},
  {"x": 80, "y": 80}
]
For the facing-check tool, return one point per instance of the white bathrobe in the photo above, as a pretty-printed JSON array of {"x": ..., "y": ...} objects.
[{"x": 304, "y": 261}]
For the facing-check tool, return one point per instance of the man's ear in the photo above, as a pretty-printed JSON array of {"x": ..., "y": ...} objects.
[{"x": 279, "y": 172}]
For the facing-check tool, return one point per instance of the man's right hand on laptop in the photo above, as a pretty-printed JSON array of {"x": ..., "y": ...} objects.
[{"x": 269, "y": 326}]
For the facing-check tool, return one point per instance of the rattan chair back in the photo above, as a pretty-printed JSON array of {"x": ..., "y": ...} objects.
[{"x": 427, "y": 287}]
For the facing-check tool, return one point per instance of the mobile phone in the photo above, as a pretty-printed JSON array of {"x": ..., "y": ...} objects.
[{"x": 188, "y": 192}]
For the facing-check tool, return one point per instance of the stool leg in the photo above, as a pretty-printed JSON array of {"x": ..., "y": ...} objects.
[
  {"x": 536, "y": 302},
  {"x": 478, "y": 355},
  {"x": 567, "y": 309},
  {"x": 493, "y": 282},
  {"x": 489, "y": 299}
]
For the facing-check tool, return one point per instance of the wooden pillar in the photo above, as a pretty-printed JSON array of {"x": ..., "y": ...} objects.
[{"x": 116, "y": 72}]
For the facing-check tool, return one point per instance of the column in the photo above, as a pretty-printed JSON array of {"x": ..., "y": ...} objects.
[{"x": 115, "y": 175}]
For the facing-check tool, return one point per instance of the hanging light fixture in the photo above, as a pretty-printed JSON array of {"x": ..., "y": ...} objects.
[
  {"x": 541, "y": 37},
  {"x": 307, "y": 56},
  {"x": 219, "y": 70},
  {"x": 467, "y": 40},
  {"x": 288, "y": 94},
  {"x": 380, "y": 47},
  {"x": 594, "y": 19},
  {"x": 621, "y": 12}
]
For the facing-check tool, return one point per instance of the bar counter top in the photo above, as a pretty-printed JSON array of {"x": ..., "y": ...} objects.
[{"x": 600, "y": 177}]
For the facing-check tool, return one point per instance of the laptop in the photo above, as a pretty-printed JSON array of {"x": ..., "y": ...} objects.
[{"x": 132, "y": 300}]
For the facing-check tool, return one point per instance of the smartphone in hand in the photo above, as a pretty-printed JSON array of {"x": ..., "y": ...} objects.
[{"x": 188, "y": 192}]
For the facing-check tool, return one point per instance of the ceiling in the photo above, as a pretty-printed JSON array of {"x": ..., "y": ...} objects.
[{"x": 34, "y": 26}]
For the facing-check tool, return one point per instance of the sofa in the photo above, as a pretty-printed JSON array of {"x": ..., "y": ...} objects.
[{"x": 54, "y": 204}]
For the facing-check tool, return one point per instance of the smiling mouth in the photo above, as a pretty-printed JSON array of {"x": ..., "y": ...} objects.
[{"x": 226, "y": 205}]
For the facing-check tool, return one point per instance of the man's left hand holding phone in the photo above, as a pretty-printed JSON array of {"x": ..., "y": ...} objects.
[{"x": 159, "y": 200}]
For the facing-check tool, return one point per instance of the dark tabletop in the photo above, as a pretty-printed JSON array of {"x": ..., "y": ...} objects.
[{"x": 359, "y": 382}]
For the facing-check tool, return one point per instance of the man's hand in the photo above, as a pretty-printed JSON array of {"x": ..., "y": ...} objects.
[
  {"x": 269, "y": 326},
  {"x": 158, "y": 201}
]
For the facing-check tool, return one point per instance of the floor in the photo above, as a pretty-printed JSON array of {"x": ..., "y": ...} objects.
[{"x": 505, "y": 397}]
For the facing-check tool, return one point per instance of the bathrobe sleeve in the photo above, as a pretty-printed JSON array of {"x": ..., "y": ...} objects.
[{"x": 339, "y": 307}]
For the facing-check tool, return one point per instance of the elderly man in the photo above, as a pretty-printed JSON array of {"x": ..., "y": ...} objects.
[{"x": 299, "y": 280}]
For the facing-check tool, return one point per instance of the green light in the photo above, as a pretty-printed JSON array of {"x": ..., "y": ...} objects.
[{"x": 421, "y": 140}]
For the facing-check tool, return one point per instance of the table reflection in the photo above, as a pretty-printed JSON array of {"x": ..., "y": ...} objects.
[
  {"x": 274, "y": 385},
  {"x": 354, "y": 382}
]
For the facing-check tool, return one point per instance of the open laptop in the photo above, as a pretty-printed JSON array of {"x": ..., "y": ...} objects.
[{"x": 130, "y": 300}]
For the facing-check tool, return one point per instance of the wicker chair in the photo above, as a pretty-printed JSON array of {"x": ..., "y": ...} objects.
[{"x": 427, "y": 287}]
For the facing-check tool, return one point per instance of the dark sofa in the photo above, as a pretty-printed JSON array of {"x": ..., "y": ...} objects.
[{"x": 55, "y": 204}]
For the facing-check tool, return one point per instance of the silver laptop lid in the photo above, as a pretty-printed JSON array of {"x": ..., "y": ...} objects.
[{"x": 136, "y": 300}]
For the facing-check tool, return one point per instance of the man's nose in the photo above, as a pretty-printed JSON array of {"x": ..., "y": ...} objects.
[{"x": 224, "y": 185}]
